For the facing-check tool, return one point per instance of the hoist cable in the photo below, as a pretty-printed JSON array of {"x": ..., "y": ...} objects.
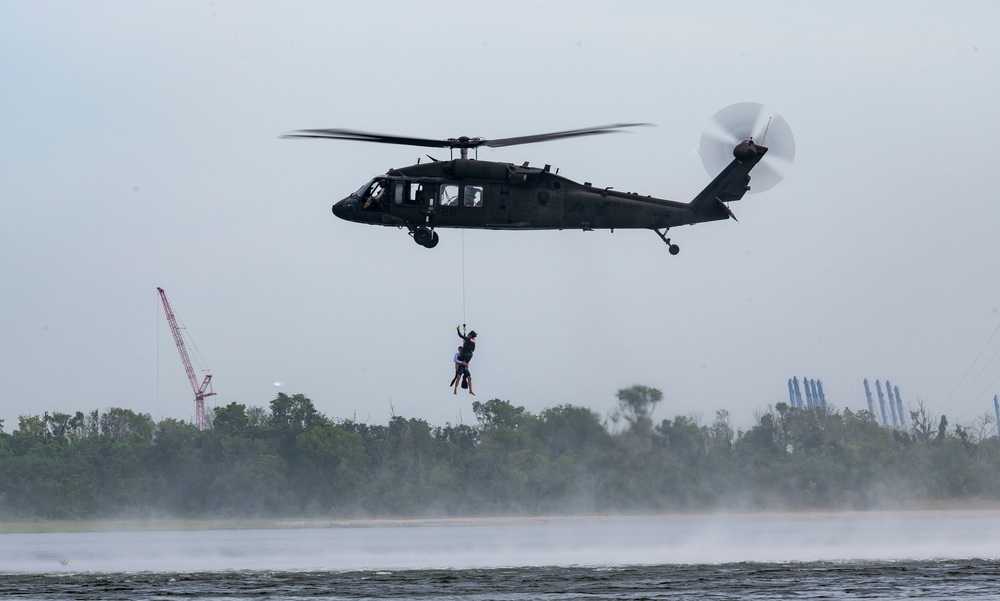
[{"x": 463, "y": 277}]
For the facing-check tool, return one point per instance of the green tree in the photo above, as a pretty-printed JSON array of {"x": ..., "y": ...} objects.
[
  {"x": 231, "y": 419},
  {"x": 495, "y": 414},
  {"x": 294, "y": 412},
  {"x": 636, "y": 405},
  {"x": 566, "y": 428},
  {"x": 120, "y": 425},
  {"x": 332, "y": 467},
  {"x": 686, "y": 440}
]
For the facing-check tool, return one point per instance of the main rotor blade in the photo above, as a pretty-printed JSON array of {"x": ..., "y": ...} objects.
[
  {"x": 572, "y": 133},
  {"x": 461, "y": 142},
  {"x": 361, "y": 136}
]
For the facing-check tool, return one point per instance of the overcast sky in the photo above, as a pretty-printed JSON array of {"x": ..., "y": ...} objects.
[{"x": 139, "y": 147}]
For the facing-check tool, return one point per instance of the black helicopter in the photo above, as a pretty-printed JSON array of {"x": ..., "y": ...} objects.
[{"x": 469, "y": 193}]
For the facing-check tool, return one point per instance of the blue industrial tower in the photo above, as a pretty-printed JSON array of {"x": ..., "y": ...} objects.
[
  {"x": 892, "y": 403},
  {"x": 871, "y": 405},
  {"x": 881, "y": 402}
]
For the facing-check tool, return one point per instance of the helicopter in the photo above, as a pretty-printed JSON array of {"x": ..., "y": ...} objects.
[{"x": 469, "y": 193}]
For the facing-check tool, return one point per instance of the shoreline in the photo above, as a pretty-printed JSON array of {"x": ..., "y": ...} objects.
[{"x": 970, "y": 508}]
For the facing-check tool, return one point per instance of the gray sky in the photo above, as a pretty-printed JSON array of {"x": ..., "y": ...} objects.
[{"x": 139, "y": 147}]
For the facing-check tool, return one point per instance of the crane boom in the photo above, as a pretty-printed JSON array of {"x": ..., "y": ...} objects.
[{"x": 199, "y": 391}]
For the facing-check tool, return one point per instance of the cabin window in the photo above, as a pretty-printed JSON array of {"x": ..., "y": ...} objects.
[
  {"x": 473, "y": 196},
  {"x": 449, "y": 195},
  {"x": 399, "y": 192}
]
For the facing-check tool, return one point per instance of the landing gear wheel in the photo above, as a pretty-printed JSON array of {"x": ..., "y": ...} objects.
[
  {"x": 433, "y": 241},
  {"x": 423, "y": 236},
  {"x": 674, "y": 249}
]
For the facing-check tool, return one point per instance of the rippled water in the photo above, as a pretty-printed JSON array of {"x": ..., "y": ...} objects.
[
  {"x": 932, "y": 555},
  {"x": 816, "y": 580}
]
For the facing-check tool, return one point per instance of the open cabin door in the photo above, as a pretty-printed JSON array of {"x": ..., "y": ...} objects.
[{"x": 413, "y": 203}]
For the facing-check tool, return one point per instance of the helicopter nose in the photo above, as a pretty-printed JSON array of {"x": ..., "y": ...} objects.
[{"x": 346, "y": 208}]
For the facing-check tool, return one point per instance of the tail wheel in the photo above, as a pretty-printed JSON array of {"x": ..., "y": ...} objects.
[{"x": 673, "y": 248}]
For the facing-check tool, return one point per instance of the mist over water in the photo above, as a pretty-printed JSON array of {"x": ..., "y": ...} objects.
[{"x": 502, "y": 543}]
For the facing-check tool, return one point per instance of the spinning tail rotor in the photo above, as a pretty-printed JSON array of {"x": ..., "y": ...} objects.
[{"x": 745, "y": 121}]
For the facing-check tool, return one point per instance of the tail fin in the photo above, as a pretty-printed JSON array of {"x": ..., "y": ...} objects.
[{"x": 733, "y": 182}]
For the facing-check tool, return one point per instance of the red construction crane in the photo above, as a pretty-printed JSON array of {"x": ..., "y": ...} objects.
[{"x": 199, "y": 391}]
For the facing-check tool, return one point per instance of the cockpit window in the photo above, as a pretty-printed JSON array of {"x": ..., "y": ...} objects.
[
  {"x": 373, "y": 196},
  {"x": 364, "y": 189}
]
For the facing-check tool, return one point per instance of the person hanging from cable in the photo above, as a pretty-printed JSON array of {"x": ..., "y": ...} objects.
[
  {"x": 459, "y": 365},
  {"x": 462, "y": 374},
  {"x": 465, "y": 354}
]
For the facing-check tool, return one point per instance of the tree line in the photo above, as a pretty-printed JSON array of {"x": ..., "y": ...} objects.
[{"x": 289, "y": 460}]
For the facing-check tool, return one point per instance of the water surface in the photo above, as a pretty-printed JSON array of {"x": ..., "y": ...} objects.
[{"x": 931, "y": 555}]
